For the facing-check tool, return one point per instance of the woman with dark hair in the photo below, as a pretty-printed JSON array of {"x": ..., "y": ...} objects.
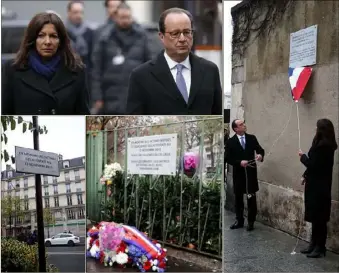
[
  {"x": 318, "y": 183},
  {"x": 46, "y": 77}
]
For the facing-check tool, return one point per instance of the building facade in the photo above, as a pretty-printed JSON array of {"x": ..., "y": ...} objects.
[{"x": 63, "y": 196}]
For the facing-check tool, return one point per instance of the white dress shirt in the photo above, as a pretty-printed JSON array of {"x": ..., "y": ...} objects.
[{"x": 186, "y": 71}]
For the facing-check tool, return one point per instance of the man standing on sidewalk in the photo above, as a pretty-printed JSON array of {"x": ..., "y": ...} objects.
[{"x": 242, "y": 152}]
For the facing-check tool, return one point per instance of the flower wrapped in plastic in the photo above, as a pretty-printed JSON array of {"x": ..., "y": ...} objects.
[
  {"x": 123, "y": 245},
  {"x": 110, "y": 172},
  {"x": 190, "y": 163}
]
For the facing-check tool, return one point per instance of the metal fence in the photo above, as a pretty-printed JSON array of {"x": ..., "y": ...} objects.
[{"x": 176, "y": 210}]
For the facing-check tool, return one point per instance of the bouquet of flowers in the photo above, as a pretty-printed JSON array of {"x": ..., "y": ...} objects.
[
  {"x": 190, "y": 163},
  {"x": 124, "y": 245},
  {"x": 110, "y": 172}
]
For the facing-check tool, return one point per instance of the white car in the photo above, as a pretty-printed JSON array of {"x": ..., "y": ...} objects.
[{"x": 62, "y": 239}]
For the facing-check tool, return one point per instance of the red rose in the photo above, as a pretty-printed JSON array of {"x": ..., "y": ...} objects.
[
  {"x": 97, "y": 243},
  {"x": 155, "y": 242},
  {"x": 147, "y": 265}
]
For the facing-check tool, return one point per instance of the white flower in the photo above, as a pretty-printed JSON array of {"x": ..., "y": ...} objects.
[
  {"x": 110, "y": 263},
  {"x": 122, "y": 258},
  {"x": 158, "y": 245},
  {"x": 154, "y": 268},
  {"x": 111, "y": 170},
  {"x": 165, "y": 250},
  {"x": 155, "y": 262},
  {"x": 94, "y": 250}
]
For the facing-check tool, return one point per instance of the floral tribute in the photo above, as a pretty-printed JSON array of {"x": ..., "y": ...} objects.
[
  {"x": 110, "y": 172},
  {"x": 190, "y": 163},
  {"x": 122, "y": 245}
]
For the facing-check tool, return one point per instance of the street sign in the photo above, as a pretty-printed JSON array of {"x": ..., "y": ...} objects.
[
  {"x": 154, "y": 155},
  {"x": 36, "y": 162}
]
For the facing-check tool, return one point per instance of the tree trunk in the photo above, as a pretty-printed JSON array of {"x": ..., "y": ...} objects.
[
  {"x": 10, "y": 225},
  {"x": 48, "y": 231}
]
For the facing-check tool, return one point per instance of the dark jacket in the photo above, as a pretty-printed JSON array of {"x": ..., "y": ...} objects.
[
  {"x": 88, "y": 36},
  {"x": 24, "y": 92},
  {"x": 110, "y": 81},
  {"x": 318, "y": 176},
  {"x": 235, "y": 154},
  {"x": 153, "y": 91}
]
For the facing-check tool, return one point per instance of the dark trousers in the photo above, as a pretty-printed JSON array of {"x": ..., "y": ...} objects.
[
  {"x": 251, "y": 207},
  {"x": 319, "y": 233}
]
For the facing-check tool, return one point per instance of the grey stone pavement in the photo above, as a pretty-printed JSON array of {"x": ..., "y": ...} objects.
[{"x": 269, "y": 250}]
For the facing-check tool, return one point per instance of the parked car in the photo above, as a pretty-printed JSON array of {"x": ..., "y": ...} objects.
[
  {"x": 12, "y": 32},
  {"x": 62, "y": 239}
]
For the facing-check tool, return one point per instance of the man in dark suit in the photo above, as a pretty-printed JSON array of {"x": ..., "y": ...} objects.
[
  {"x": 242, "y": 152},
  {"x": 176, "y": 82}
]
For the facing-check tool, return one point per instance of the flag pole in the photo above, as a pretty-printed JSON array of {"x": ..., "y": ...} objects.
[{"x": 298, "y": 123}]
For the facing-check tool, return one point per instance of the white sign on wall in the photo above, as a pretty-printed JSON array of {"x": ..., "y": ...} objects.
[
  {"x": 36, "y": 162},
  {"x": 155, "y": 155},
  {"x": 303, "y": 47}
]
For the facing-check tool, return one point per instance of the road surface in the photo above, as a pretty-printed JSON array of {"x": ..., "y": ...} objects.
[{"x": 67, "y": 259}]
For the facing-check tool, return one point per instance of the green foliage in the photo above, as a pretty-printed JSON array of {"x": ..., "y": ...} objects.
[
  {"x": 165, "y": 192},
  {"x": 20, "y": 257},
  {"x": 10, "y": 123}
]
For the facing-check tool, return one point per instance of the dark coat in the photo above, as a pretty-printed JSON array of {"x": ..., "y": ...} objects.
[
  {"x": 153, "y": 91},
  {"x": 25, "y": 92},
  {"x": 318, "y": 176},
  {"x": 88, "y": 36},
  {"x": 235, "y": 154},
  {"x": 110, "y": 81}
]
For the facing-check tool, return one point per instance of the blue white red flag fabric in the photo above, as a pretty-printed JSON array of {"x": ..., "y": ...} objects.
[{"x": 298, "y": 77}]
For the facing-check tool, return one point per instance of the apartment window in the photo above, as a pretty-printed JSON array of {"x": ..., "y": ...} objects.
[
  {"x": 17, "y": 194},
  {"x": 67, "y": 176},
  {"x": 55, "y": 187},
  {"x": 46, "y": 202},
  {"x": 69, "y": 200},
  {"x": 25, "y": 182},
  {"x": 77, "y": 174},
  {"x": 10, "y": 174},
  {"x": 65, "y": 164},
  {"x": 79, "y": 190},
  {"x": 17, "y": 184},
  {"x": 9, "y": 185},
  {"x": 68, "y": 188},
  {"x": 56, "y": 201},
  {"x": 45, "y": 180},
  {"x": 70, "y": 214},
  {"x": 46, "y": 191},
  {"x": 83, "y": 161},
  {"x": 26, "y": 203},
  {"x": 81, "y": 214},
  {"x": 79, "y": 196},
  {"x": 55, "y": 180}
]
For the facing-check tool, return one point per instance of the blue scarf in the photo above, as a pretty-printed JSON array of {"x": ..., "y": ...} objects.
[{"x": 46, "y": 69}]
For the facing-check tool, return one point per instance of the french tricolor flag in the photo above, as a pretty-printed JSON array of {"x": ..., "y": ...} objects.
[{"x": 298, "y": 77}]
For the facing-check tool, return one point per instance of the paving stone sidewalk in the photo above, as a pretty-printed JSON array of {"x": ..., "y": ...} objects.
[{"x": 269, "y": 250}]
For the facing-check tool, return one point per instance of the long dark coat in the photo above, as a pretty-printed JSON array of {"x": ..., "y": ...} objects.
[
  {"x": 25, "y": 92},
  {"x": 318, "y": 175},
  {"x": 235, "y": 154}
]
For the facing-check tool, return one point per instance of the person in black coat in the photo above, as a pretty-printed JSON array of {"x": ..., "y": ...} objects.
[
  {"x": 318, "y": 183},
  {"x": 176, "y": 82},
  {"x": 46, "y": 77},
  {"x": 242, "y": 152}
]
